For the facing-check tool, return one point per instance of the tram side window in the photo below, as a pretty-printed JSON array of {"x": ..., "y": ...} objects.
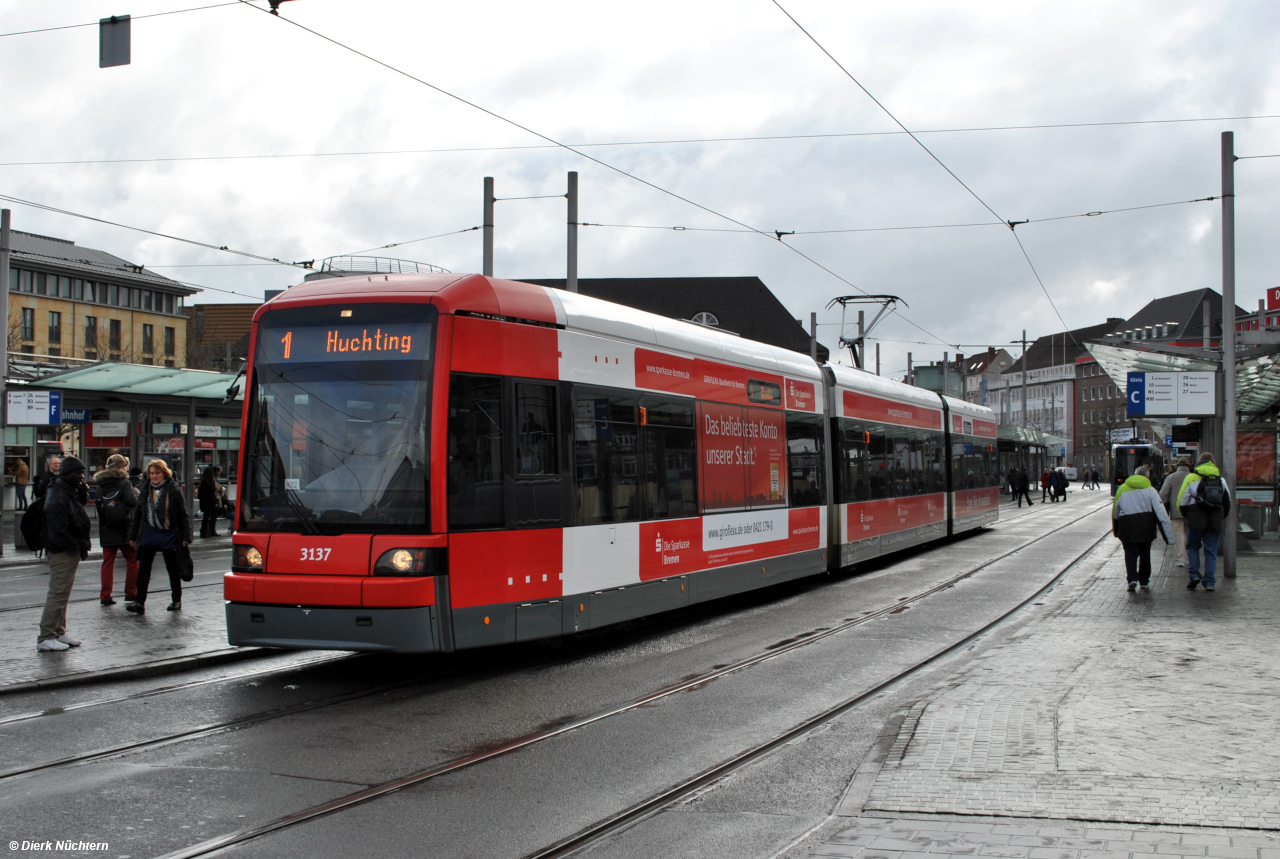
[
  {"x": 475, "y": 452},
  {"x": 934, "y": 461},
  {"x": 804, "y": 461},
  {"x": 855, "y": 465},
  {"x": 536, "y": 430},
  {"x": 670, "y": 458},
  {"x": 606, "y": 458}
]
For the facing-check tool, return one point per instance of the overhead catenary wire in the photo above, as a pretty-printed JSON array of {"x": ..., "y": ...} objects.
[
  {"x": 409, "y": 242},
  {"x": 1249, "y": 157},
  {"x": 224, "y": 248},
  {"x": 1092, "y": 214},
  {"x": 131, "y": 18},
  {"x": 612, "y": 168},
  {"x": 1011, "y": 224},
  {"x": 621, "y": 143}
]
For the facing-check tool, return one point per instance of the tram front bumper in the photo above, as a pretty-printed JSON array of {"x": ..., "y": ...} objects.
[{"x": 386, "y": 630}]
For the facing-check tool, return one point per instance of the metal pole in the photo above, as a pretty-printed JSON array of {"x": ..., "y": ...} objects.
[
  {"x": 946, "y": 376},
  {"x": 4, "y": 357},
  {"x": 1205, "y": 324},
  {"x": 571, "y": 271},
  {"x": 877, "y": 359},
  {"x": 486, "y": 262},
  {"x": 189, "y": 455},
  {"x": 910, "y": 381},
  {"x": 1229, "y": 418},
  {"x": 1024, "y": 378},
  {"x": 813, "y": 336},
  {"x": 862, "y": 344}
]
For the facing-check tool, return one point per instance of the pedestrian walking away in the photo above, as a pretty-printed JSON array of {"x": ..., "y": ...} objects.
[
  {"x": 1096, "y": 477},
  {"x": 116, "y": 503},
  {"x": 1044, "y": 486},
  {"x": 161, "y": 525},
  {"x": 66, "y": 542},
  {"x": 136, "y": 478},
  {"x": 1169, "y": 497},
  {"x": 21, "y": 479},
  {"x": 1205, "y": 503},
  {"x": 209, "y": 495},
  {"x": 1022, "y": 484},
  {"x": 1136, "y": 512}
]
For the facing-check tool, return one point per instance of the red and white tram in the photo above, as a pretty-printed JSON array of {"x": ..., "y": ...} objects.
[{"x": 438, "y": 462}]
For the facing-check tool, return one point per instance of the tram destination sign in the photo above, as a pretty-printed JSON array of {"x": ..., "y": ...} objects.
[
  {"x": 326, "y": 343},
  {"x": 1172, "y": 394}
]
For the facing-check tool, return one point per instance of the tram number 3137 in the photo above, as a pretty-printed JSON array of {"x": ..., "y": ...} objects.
[{"x": 316, "y": 554}]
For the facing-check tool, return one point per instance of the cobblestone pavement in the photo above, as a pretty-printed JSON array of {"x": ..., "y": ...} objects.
[
  {"x": 114, "y": 639},
  {"x": 1117, "y": 725}
]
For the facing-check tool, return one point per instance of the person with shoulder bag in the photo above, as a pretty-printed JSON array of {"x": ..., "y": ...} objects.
[
  {"x": 65, "y": 537},
  {"x": 161, "y": 525},
  {"x": 116, "y": 502}
]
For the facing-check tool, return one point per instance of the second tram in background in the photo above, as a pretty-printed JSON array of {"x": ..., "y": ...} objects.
[
  {"x": 1126, "y": 458},
  {"x": 437, "y": 462}
]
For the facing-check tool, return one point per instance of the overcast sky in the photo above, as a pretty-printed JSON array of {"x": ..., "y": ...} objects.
[{"x": 233, "y": 81}]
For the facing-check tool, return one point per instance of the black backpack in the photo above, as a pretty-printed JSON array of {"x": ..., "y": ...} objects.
[
  {"x": 32, "y": 524},
  {"x": 1209, "y": 498},
  {"x": 112, "y": 509}
]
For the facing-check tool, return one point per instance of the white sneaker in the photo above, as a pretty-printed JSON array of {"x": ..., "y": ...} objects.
[
  {"x": 69, "y": 641},
  {"x": 1179, "y": 564},
  {"x": 52, "y": 644}
]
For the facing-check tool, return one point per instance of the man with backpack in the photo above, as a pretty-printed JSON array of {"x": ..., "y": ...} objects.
[
  {"x": 116, "y": 501},
  {"x": 65, "y": 539},
  {"x": 1204, "y": 503}
]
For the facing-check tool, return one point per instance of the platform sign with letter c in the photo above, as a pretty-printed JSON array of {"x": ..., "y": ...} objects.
[{"x": 1137, "y": 394}]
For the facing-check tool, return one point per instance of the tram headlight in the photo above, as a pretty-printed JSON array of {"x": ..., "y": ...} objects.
[
  {"x": 247, "y": 559},
  {"x": 406, "y": 562}
]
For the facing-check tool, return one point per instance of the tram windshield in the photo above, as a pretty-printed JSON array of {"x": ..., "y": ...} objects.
[
  {"x": 339, "y": 420},
  {"x": 1128, "y": 457}
]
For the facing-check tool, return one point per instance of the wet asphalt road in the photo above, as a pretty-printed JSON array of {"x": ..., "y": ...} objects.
[{"x": 403, "y": 715}]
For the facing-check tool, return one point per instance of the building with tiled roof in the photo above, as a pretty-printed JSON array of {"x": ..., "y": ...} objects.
[{"x": 69, "y": 301}]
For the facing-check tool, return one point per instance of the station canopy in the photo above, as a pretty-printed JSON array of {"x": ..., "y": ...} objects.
[
  {"x": 1257, "y": 369},
  {"x": 142, "y": 380},
  {"x": 1026, "y": 435}
]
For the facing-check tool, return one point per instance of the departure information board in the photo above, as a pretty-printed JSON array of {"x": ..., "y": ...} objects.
[{"x": 325, "y": 343}]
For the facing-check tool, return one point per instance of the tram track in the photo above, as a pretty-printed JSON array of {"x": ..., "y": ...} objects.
[
  {"x": 614, "y": 823},
  {"x": 208, "y": 729}
]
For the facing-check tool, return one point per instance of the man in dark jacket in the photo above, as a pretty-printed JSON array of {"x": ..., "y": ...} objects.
[
  {"x": 1205, "y": 503},
  {"x": 66, "y": 544},
  {"x": 44, "y": 478},
  {"x": 1023, "y": 490},
  {"x": 116, "y": 502},
  {"x": 1136, "y": 512}
]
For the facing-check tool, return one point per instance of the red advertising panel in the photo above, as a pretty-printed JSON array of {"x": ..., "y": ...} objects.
[
  {"x": 680, "y": 546},
  {"x": 743, "y": 457},
  {"x": 801, "y": 396},
  {"x": 723, "y": 475},
  {"x": 983, "y": 428},
  {"x": 884, "y": 516},
  {"x": 1256, "y": 458},
  {"x": 972, "y": 426},
  {"x": 658, "y": 371},
  {"x": 971, "y": 502},
  {"x": 1273, "y": 298},
  {"x": 871, "y": 408}
]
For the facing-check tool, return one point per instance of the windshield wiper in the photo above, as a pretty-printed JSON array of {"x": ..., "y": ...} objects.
[{"x": 305, "y": 516}]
